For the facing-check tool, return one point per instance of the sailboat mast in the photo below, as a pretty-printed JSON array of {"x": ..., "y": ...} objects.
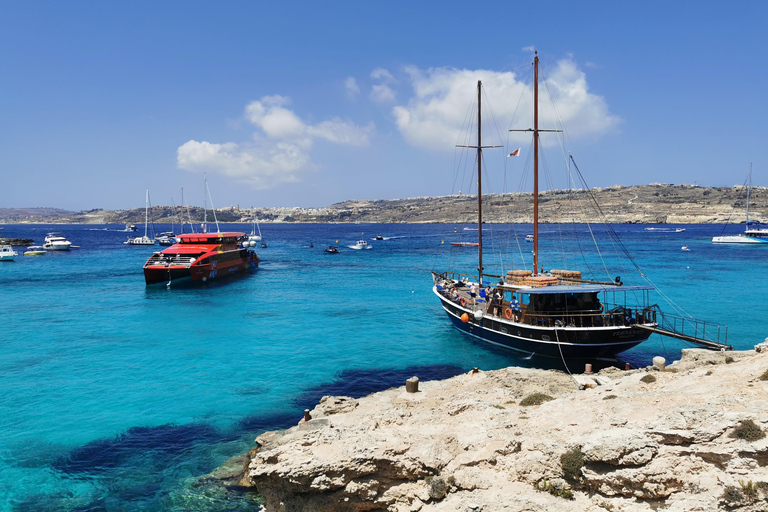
[
  {"x": 479, "y": 189},
  {"x": 205, "y": 204},
  {"x": 146, "y": 213},
  {"x": 749, "y": 187},
  {"x": 536, "y": 165}
]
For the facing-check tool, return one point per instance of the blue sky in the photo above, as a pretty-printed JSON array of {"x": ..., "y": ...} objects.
[{"x": 311, "y": 103}]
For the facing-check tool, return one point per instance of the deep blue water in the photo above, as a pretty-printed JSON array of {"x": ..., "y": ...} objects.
[{"x": 115, "y": 396}]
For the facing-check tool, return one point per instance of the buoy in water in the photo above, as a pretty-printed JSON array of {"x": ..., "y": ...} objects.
[{"x": 465, "y": 318}]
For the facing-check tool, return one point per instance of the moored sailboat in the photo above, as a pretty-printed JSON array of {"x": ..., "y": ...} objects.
[
  {"x": 558, "y": 313},
  {"x": 751, "y": 235},
  {"x": 142, "y": 240}
]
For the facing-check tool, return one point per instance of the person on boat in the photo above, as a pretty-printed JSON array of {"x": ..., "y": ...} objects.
[
  {"x": 495, "y": 303},
  {"x": 514, "y": 305},
  {"x": 473, "y": 292},
  {"x": 454, "y": 294}
]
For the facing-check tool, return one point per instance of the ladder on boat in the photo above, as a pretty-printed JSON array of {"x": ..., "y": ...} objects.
[{"x": 709, "y": 335}]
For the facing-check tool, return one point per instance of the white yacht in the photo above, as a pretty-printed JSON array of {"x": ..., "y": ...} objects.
[
  {"x": 7, "y": 253},
  {"x": 55, "y": 242}
]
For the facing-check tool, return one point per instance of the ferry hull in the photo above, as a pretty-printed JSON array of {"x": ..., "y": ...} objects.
[
  {"x": 226, "y": 264},
  {"x": 564, "y": 342}
]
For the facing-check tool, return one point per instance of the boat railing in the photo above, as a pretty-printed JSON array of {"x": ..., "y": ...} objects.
[
  {"x": 613, "y": 317},
  {"x": 163, "y": 260},
  {"x": 709, "y": 334}
]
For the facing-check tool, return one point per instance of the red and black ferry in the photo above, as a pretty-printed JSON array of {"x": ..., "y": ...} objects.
[{"x": 201, "y": 257}]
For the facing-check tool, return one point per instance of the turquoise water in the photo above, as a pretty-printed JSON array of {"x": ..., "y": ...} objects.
[{"x": 115, "y": 396}]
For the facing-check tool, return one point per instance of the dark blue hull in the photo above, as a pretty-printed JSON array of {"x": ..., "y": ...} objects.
[{"x": 559, "y": 342}]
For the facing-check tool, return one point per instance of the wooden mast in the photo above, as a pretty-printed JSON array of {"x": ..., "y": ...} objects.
[
  {"x": 535, "y": 131},
  {"x": 479, "y": 189},
  {"x": 536, "y": 165},
  {"x": 479, "y": 148}
]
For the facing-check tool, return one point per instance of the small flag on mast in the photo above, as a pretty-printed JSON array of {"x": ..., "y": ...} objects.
[{"x": 514, "y": 153}]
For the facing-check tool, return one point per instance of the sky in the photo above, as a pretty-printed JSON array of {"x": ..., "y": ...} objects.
[{"x": 312, "y": 103}]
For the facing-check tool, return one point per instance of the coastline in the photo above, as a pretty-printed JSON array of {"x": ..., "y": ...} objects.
[
  {"x": 639, "y": 204},
  {"x": 646, "y": 438}
]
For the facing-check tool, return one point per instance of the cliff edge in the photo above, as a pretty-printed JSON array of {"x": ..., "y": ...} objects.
[{"x": 683, "y": 438}]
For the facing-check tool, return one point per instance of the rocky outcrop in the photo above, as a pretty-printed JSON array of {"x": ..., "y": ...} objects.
[{"x": 467, "y": 444}]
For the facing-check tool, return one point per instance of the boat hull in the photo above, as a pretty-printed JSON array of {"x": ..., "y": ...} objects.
[
  {"x": 562, "y": 342},
  {"x": 219, "y": 265}
]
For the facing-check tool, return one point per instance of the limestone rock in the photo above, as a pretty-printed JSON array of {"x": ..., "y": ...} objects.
[{"x": 466, "y": 444}]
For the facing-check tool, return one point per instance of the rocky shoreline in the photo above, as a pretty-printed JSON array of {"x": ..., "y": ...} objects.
[
  {"x": 641, "y": 204},
  {"x": 686, "y": 437}
]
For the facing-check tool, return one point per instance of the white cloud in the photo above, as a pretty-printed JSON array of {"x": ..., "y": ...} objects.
[
  {"x": 280, "y": 150},
  {"x": 383, "y": 75},
  {"x": 434, "y": 117},
  {"x": 350, "y": 84},
  {"x": 382, "y": 94}
]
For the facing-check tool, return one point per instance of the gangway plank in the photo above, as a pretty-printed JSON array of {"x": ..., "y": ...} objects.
[{"x": 680, "y": 336}]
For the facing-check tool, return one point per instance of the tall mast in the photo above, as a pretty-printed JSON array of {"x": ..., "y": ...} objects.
[
  {"x": 479, "y": 190},
  {"x": 205, "y": 204},
  {"x": 536, "y": 164},
  {"x": 749, "y": 186},
  {"x": 535, "y": 131},
  {"x": 479, "y": 148},
  {"x": 146, "y": 213}
]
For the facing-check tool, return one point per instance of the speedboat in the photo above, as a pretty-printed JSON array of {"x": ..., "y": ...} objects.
[
  {"x": 361, "y": 244},
  {"x": 7, "y": 253},
  {"x": 685, "y": 248},
  {"x": 130, "y": 228},
  {"x": 331, "y": 250},
  {"x": 529, "y": 238},
  {"x": 464, "y": 244},
  {"x": 166, "y": 238},
  {"x": 379, "y": 237},
  {"x": 56, "y": 242},
  {"x": 200, "y": 257},
  {"x": 34, "y": 250}
]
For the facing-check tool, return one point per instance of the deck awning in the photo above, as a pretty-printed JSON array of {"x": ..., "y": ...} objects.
[{"x": 587, "y": 288}]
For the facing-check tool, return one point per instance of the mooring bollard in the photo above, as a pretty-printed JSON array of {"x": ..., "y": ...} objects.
[
  {"x": 626, "y": 366},
  {"x": 412, "y": 385},
  {"x": 588, "y": 368},
  {"x": 475, "y": 369},
  {"x": 307, "y": 416},
  {"x": 659, "y": 362}
]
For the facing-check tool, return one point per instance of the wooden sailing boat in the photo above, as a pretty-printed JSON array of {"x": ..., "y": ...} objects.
[{"x": 554, "y": 313}]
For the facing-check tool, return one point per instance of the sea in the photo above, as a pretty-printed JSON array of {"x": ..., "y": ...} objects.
[{"x": 115, "y": 396}]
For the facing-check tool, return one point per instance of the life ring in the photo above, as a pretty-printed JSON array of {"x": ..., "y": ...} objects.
[
  {"x": 508, "y": 314},
  {"x": 463, "y": 302}
]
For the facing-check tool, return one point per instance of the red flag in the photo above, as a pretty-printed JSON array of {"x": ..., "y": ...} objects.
[{"x": 515, "y": 153}]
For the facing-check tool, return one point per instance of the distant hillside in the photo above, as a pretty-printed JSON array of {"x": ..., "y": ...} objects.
[{"x": 655, "y": 203}]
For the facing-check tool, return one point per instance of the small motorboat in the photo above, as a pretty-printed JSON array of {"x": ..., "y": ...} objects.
[
  {"x": 130, "y": 228},
  {"x": 331, "y": 250},
  {"x": 529, "y": 238},
  {"x": 35, "y": 250},
  {"x": 464, "y": 244},
  {"x": 166, "y": 238},
  {"x": 685, "y": 248},
  {"x": 361, "y": 244},
  {"x": 7, "y": 253},
  {"x": 379, "y": 237}
]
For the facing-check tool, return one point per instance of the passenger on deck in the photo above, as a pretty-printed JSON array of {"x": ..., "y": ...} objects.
[
  {"x": 514, "y": 305},
  {"x": 473, "y": 292}
]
